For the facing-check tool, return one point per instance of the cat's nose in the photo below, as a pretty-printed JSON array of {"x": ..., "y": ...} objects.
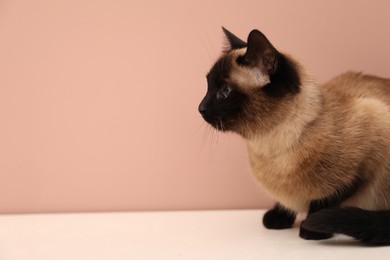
[
  {"x": 202, "y": 108},
  {"x": 203, "y": 105}
]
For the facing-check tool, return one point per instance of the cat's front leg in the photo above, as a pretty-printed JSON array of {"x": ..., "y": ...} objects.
[
  {"x": 279, "y": 218},
  {"x": 312, "y": 235}
]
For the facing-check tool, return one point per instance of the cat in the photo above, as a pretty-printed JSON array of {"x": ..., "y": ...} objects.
[{"x": 319, "y": 149}]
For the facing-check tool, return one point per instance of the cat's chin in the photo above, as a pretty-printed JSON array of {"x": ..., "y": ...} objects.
[
  {"x": 220, "y": 127},
  {"x": 217, "y": 123}
]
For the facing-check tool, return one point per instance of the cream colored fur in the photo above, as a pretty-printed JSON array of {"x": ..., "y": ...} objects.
[{"x": 330, "y": 136}]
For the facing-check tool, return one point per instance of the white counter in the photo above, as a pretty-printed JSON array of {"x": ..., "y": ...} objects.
[{"x": 199, "y": 235}]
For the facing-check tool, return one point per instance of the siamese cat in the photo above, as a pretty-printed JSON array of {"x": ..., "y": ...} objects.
[{"x": 319, "y": 149}]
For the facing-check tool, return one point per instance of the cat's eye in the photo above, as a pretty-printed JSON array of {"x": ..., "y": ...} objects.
[{"x": 225, "y": 91}]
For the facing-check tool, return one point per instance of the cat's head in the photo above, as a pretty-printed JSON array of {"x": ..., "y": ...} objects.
[{"x": 251, "y": 87}]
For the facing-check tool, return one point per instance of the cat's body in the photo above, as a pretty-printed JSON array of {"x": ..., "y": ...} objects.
[
  {"x": 311, "y": 147},
  {"x": 343, "y": 144}
]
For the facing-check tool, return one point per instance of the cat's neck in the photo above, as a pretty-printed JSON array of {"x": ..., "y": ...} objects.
[{"x": 286, "y": 135}]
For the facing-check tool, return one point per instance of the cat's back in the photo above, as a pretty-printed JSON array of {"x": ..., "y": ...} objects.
[{"x": 359, "y": 85}]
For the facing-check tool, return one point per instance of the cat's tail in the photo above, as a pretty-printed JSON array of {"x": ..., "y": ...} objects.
[{"x": 369, "y": 227}]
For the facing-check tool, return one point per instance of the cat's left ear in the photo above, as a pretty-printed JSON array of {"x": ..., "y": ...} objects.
[
  {"x": 234, "y": 41},
  {"x": 260, "y": 53}
]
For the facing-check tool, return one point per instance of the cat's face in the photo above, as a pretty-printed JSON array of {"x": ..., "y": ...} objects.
[
  {"x": 249, "y": 86},
  {"x": 224, "y": 102}
]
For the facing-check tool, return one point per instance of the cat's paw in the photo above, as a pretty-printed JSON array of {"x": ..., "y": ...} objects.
[
  {"x": 278, "y": 219},
  {"x": 312, "y": 235}
]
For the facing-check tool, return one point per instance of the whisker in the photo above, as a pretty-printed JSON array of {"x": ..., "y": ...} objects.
[
  {"x": 216, "y": 140},
  {"x": 200, "y": 126},
  {"x": 221, "y": 125},
  {"x": 203, "y": 141}
]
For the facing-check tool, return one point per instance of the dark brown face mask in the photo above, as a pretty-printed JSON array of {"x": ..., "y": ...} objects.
[{"x": 224, "y": 105}]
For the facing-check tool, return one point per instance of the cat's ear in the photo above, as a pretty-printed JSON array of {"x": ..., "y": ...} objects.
[
  {"x": 260, "y": 53},
  {"x": 234, "y": 41}
]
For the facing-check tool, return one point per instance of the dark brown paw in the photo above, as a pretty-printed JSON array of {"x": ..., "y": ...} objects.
[
  {"x": 278, "y": 219},
  {"x": 312, "y": 235}
]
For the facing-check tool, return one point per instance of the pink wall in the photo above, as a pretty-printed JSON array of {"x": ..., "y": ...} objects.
[{"x": 98, "y": 99}]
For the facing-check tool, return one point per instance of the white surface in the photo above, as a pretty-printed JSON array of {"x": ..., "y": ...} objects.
[{"x": 165, "y": 235}]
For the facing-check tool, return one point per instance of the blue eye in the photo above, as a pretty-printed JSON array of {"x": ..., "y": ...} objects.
[{"x": 225, "y": 91}]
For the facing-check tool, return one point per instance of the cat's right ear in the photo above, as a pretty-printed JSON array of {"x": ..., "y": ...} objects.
[{"x": 234, "y": 41}]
